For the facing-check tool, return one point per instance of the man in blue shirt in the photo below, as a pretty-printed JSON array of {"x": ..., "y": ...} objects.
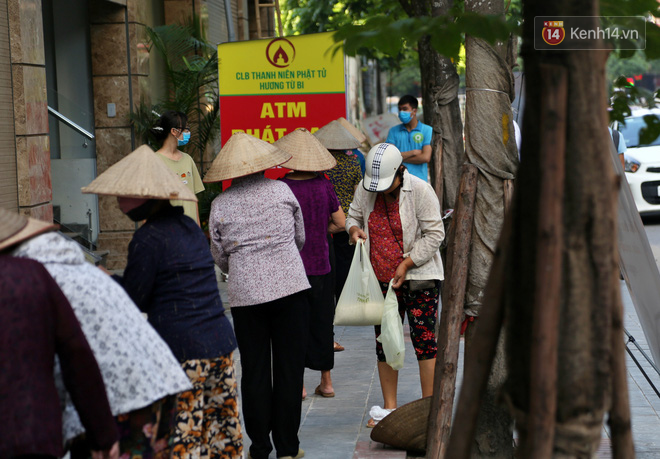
[{"x": 412, "y": 138}]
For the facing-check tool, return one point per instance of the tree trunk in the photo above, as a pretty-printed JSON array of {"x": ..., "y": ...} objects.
[
  {"x": 588, "y": 262},
  {"x": 448, "y": 330},
  {"x": 441, "y": 109},
  {"x": 490, "y": 144}
]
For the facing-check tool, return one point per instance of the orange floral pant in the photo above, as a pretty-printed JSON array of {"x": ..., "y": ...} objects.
[{"x": 206, "y": 421}]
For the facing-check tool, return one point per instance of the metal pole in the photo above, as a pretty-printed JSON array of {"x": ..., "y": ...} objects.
[
  {"x": 641, "y": 369},
  {"x": 631, "y": 339},
  {"x": 230, "y": 21}
]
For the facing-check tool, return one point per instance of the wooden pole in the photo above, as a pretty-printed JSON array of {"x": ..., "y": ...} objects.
[
  {"x": 438, "y": 183},
  {"x": 439, "y": 425},
  {"x": 477, "y": 370},
  {"x": 508, "y": 195},
  {"x": 619, "y": 420},
  {"x": 549, "y": 246}
]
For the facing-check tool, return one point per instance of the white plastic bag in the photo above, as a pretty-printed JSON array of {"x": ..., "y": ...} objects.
[
  {"x": 361, "y": 300},
  {"x": 391, "y": 331}
]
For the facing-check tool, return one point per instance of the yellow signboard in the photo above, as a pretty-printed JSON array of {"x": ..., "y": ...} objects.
[{"x": 288, "y": 65}]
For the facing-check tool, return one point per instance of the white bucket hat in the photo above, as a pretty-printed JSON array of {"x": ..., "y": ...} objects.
[{"x": 381, "y": 164}]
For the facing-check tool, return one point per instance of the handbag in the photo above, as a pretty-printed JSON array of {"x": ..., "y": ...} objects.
[
  {"x": 361, "y": 299},
  {"x": 391, "y": 331}
]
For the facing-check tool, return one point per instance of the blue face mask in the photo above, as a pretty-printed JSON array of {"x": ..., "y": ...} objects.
[
  {"x": 405, "y": 117},
  {"x": 186, "y": 138}
]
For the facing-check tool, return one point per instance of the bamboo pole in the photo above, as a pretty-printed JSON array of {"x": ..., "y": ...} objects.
[
  {"x": 477, "y": 370},
  {"x": 541, "y": 418},
  {"x": 439, "y": 425}
]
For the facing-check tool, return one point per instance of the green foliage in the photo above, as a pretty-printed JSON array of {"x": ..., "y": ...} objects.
[
  {"x": 191, "y": 80},
  {"x": 447, "y": 33},
  {"x": 623, "y": 63},
  {"x": 407, "y": 80},
  {"x": 312, "y": 16},
  {"x": 651, "y": 131}
]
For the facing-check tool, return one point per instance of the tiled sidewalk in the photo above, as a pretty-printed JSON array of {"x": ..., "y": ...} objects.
[{"x": 334, "y": 428}]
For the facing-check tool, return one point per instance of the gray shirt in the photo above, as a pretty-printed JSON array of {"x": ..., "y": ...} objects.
[{"x": 257, "y": 232}]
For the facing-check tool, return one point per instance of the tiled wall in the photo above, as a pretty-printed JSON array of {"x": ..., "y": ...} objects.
[
  {"x": 30, "y": 108},
  {"x": 120, "y": 68}
]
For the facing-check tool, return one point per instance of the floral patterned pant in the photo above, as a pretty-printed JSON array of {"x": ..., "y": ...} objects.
[
  {"x": 206, "y": 422},
  {"x": 422, "y": 309}
]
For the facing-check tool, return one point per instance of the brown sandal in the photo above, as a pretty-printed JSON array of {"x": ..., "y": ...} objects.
[{"x": 338, "y": 347}]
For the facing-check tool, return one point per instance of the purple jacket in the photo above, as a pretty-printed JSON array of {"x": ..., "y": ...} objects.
[
  {"x": 318, "y": 201},
  {"x": 38, "y": 323}
]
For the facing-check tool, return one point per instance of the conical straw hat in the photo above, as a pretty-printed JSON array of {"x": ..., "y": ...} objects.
[
  {"x": 355, "y": 132},
  {"x": 244, "y": 155},
  {"x": 15, "y": 228},
  {"x": 141, "y": 174},
  {"x": 334, "y": 136},
  {"x": 405, "y": 427},
  {"x": 308, "y": 153}
]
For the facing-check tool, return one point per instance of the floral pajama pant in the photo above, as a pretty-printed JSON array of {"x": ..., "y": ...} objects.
[
  {"x": 422, "y": 309},
  {"x": 206, "y": 419}
]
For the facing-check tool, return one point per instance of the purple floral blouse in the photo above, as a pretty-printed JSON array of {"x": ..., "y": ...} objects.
[{"x": 257, "y": 231}]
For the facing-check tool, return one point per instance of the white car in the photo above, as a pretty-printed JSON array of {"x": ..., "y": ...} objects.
[{"x": 642, "y": 163}]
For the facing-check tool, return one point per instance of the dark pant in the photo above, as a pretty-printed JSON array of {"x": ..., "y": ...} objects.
[
  {"x": 342, "y": 262},
  {"x": 320, "y": 350},
  {"x": 272, "y": 398}
]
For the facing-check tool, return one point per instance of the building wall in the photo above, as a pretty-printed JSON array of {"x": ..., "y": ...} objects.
[
  {"x": 120, "y": 75},
  {"x": 8, "y": 179},
  {"x": 30, "y": 104}
]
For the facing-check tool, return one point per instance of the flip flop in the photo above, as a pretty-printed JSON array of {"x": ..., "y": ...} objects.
[
  {"x": 338, "y": 347},
  {"x": 371, "y": 423},
  {"x": 318, "y": 391}
]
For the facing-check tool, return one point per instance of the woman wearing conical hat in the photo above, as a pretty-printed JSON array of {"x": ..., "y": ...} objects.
[
  {"x": 322, "y": 215},
  {"x": 257, "y": 230},
  {"x": 137, "y": 366},
  {"x": 39, "y": 324},
  {"x": 170, "y": 276},
  {"x": 345, "y": 177}
]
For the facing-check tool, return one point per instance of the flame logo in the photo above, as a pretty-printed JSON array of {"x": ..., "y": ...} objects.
[
  {"x": 280, "y": 55},
  {"x": 280, "y": 52}
]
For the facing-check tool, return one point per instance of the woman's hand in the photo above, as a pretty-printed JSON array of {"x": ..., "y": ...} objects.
[
  {"x": 356, "y": 233},
  {"x": 400, "y": 273}
]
